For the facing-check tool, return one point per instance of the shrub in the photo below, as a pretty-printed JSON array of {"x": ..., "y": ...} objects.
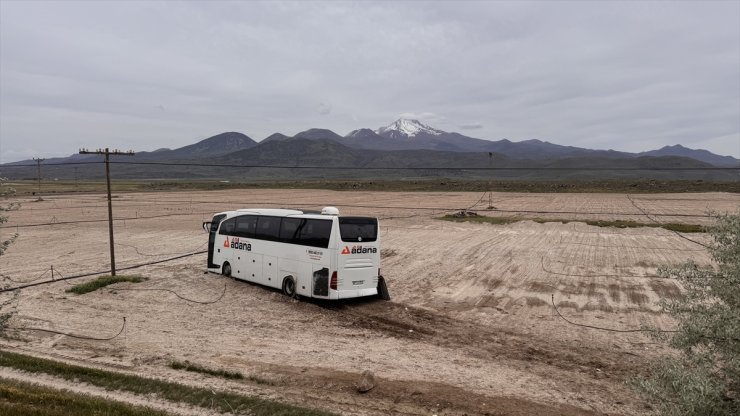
[{"x": 704, "y": 378}]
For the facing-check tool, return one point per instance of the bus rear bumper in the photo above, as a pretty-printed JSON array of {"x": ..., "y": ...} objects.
[{"x": 356, "y": 293}]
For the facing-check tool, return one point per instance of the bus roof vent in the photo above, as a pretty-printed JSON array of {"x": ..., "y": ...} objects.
[{"x": 329, "y": 211}]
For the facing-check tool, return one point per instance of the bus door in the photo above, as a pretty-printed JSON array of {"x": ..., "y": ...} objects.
[
  {"x": 224, "y": 242},
  {"x": 212, "y": 239}
]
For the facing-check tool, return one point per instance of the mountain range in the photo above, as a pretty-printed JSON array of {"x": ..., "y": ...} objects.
[
  {"x": 404, "y": 144},
  {"x": 406, "y": 134}
]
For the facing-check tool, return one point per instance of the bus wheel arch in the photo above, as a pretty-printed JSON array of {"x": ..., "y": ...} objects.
[
  {"x": 226, "y": 269},
  {"x": 289, "y": 286}
]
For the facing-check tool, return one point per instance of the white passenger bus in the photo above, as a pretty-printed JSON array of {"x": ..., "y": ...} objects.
[{"x": 313, "y": 254}]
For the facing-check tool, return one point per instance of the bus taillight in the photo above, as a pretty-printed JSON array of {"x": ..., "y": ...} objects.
[{"x": 333, "y": 281}]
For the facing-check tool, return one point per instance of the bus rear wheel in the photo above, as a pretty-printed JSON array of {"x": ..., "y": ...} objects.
[
  {"x": 226, "y": 270},
  {"x": 289, "y": 286},
  {"x": 383, "y": 289}
]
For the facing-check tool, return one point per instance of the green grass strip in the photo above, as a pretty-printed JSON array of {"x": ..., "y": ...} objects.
[
  {"x": 188, "y": 366},
  {"x": 683, "y": 228},
  {"x": 103, "y": 281},
  {"x": 20, "y": 398},
  {"x": 175, "y": 392}
]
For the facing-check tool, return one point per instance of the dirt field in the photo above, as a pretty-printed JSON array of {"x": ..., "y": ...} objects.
[{"x": 471, "y": 328}]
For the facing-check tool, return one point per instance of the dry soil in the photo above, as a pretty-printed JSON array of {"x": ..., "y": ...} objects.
[{"x": 471, "y": 328}]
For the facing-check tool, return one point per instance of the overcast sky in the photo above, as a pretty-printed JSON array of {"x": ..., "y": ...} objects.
[{"x": 629, "y": 76}]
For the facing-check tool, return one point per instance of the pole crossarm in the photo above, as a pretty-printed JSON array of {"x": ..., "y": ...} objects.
[{"x": 107, "y": 153}]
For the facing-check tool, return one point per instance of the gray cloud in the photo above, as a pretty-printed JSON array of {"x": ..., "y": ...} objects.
[
  {"x": 473, "y": 126},
  {"x": 624, "y": 75}
]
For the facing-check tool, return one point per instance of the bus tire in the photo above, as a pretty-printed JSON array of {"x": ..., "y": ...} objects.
[
  {"x": 383, "y": 289},
  {"x": 289, "y": 287},
  {"x": 226, "y": 269}
]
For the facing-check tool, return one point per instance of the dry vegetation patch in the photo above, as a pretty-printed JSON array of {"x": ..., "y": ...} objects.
[
  {"x": 101, "y": 282},
  {"x": 499, "y": 220}
]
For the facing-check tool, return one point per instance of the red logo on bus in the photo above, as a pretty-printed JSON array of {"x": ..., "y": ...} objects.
[
  {"x": 226, "y": 243},
  {"x": 346, "y": 250}
]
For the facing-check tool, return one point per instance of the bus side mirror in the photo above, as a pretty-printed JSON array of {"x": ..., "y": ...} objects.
[{"x": 206, "y": 226}]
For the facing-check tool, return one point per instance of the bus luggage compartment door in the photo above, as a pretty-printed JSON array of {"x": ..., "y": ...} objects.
[
  {"x": 269, "y": 272},
  {"x": 250, "y": 267},
  {"x": 320, "y": 281}
]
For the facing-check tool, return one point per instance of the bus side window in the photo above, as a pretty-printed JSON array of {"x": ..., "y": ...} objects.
[
  {"x": 227, "y": 227},
  {"x": 245, "y": 226},
  {"x": 290, "y": 229},
  {"x": 316, "y": 233},
  {"x": 268, "y": 228}
]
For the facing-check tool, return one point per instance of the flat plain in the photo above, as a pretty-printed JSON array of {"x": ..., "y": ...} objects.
[{"x": 474, "y": 325}]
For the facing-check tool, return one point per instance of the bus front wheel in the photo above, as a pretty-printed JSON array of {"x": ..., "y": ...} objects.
[
  {"x": 289, "y": 286},
  {"x": 226, "y": 270}
]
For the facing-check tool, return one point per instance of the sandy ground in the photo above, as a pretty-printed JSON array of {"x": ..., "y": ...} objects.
[{"x": 471, "y": 328}]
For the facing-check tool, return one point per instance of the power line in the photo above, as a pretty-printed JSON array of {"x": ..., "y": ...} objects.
[
  {"x": 546, "y": 270},
  {"x": 154, "y": 255},
  {"x": 46, "y": 282},
  {"x": 417, "y": 208},
  {"x": 653, "y": 330},
  {"x": 174, "y": 293},
  {"x": 5, "y": 276},
  {"x": 424, "y": 167},
  {"x": 129, "y": 203},
  {"x": 657, "y": 222},
  {"x": 103, "y": 220},
  {"x": 434, "y": 168},
  {"x": 602, "y": 328},
  {"x": 51, "y": 331},
  {"x": 26, "y": 165},
  {"x": 622, "y": 247}
]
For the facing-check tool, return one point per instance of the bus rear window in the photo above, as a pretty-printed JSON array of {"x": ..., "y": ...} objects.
[{"x": 358, "y": 229}]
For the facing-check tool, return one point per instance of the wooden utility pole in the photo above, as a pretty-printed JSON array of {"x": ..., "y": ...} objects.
[
  {"x": 38, "y": 172},
  {"x": 490, "y": 193},
  {"x": 107, "y": 154}
]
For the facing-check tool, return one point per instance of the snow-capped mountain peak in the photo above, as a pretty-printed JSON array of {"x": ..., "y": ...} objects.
[{"x": 407, "y": 128}]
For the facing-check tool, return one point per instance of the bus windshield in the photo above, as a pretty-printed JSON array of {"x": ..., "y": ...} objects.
[{"x": 358, "y": 229}]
